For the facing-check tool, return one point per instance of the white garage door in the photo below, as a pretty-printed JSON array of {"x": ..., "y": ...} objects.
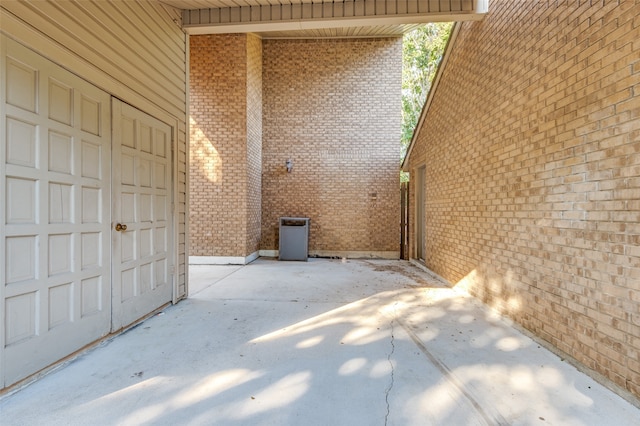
[
  {"x": 67, "y": 276},
  {"x": 56, "y": 180}
]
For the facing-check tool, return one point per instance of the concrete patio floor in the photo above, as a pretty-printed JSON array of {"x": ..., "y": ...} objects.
[{"x": 324, "y": 342}]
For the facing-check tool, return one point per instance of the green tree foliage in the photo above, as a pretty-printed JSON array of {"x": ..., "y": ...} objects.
[{"x": 422, "y": 51}]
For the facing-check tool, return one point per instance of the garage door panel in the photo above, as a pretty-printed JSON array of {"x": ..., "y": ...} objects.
[
  {"x": 21, "y": 142},
  {"x": 91, "y": 160},
  {"x": 128, "y": 169},
  {"x": 60, "y": 102},
  {"x": 60, "y": 203},
  {"x": 54, "y": 296},
  {"x": 60, "y": 152},
  {"x": 146, "y": 278},
  {"x": 60, "y": 254},
  {"x": 144, "y": 172},
  {"x": 161, "y": 175},
  {"x": 21, "y": 200},
  {"x": 145, "y": 138},
  {"x": 90, "y": 112},
  {"x": 61, "y": 299},
  {"x": 21, "y": 83},
  {"x": 128, "y": 244},
  {"x": 21, "y": 258},
  {"x": 21, "y": 318},
  {"x": 161, "y": 272},
  {"x": 145, "y": 208},
  {"x": 91, "y": 296},
  {"x": 127, "y": 212},
  {"x": 160, "y": 207},
  {"x": 146, "y": 243},
  {"x": 92, "y": 205},
  {"x": 127, "y": 132},
  {"x": 162, "y": 141},
  {"x": 129, "y": 284},
  {"x": 160, "y": 240},
  {"x": 90, "y": 250}
]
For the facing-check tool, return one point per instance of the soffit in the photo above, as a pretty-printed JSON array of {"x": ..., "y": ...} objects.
[{"x": 320, "y": 19}]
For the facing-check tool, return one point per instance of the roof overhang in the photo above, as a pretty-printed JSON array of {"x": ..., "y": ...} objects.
[{"x": 306, "y": 18}]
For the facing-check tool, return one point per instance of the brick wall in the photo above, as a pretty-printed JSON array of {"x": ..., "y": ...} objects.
[
  {"x": 333, "y": 108},
  {"x": 224, "y": 133},
  {"x": 254, "y": 143},
  {"x": 532, "y": 152}
]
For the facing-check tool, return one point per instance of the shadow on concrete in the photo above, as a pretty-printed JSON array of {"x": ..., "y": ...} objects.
[{"x": 323, "y": 342}]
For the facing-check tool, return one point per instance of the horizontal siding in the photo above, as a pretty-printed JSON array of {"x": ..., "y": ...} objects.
[
  {"x": 117, "y": 39},
  {"x": 135, "y": 51},
  {"x": 181, "y": 211}
]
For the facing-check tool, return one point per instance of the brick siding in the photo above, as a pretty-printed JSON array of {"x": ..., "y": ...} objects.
[
  {"x": 532, "y": 153},
  {"x": 254, "y": 144},
  {"x": 223, "y": 132},
  {"x": 333, "y": 108}
]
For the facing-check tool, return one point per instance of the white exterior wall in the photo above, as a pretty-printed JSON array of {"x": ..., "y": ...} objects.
[{"x": 134, "y": 51}]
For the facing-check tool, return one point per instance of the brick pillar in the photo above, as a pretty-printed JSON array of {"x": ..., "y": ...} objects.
[{"x": 225, "y": 145}]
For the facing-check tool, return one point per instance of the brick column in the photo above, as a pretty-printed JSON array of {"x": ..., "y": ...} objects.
[{"x": 225, "y": 146}]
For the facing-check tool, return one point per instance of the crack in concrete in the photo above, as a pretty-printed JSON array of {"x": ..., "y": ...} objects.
[
  {"x": 388, "y": 390},
  {"x": 490, "y": 415}
]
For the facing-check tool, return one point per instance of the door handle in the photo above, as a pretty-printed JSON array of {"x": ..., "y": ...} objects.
[{"x": 120, "y": 227}]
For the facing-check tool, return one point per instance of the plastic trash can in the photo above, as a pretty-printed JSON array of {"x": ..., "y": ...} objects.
[{"x": 294, "y": 238}]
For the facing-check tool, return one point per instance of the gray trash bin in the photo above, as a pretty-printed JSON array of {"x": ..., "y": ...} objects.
[{"x": 294, "y": 238}]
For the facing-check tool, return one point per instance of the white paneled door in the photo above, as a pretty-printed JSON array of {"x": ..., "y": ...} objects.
[
  {"x": 75, "y": 164},
  {"x": 56, "y": 188},
  {"x": 142, "y": 267}
]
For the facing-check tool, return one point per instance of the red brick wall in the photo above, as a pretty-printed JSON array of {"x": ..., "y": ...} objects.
[
  {"x": 333, "y": 108},
  {"x": 532, "y": 152}
]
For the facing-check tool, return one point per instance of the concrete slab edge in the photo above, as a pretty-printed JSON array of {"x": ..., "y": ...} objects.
[{"x": 613, "y": 387}]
